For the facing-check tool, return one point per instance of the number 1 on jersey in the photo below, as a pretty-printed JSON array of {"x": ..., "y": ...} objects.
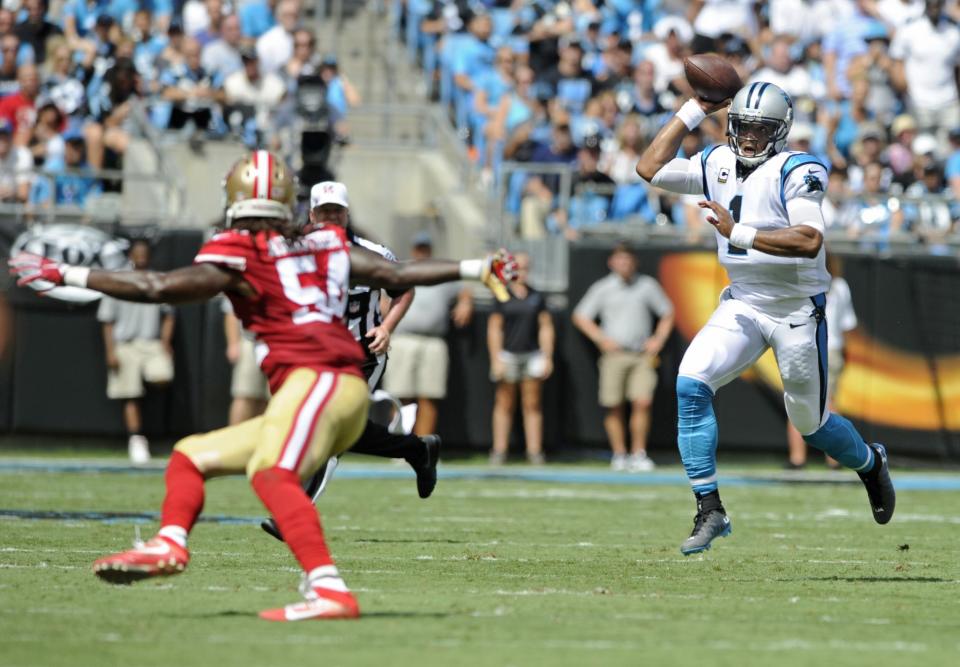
[{"x": 735, "y": 214}]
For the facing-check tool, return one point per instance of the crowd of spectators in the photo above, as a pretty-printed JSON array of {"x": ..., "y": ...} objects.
[
  {"x": 81, "y": 79},
  {"x": 585, "y": 84}
]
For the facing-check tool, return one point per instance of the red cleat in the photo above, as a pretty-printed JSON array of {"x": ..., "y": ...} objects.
[
  {"x": 157, "y": 557},
  {"x": 321, "y": 604}
]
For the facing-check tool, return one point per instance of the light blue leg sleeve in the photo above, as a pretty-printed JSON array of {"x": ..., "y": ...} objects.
[
  {"x": 697, "y": 434},
  {"x": 840, "y": 439}
]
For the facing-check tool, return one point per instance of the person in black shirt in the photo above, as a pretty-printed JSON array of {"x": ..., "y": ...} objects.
[
  {"x": 568, "y": 82},
  {"x": 35, "y": 30},
  {"x": 520, "y": 338},
  {"x": 643, "y": 98},
  {"x": 541, "y": 189},
  {"x": 616, "y": 73},
  {"x": 591, "y": 193}
]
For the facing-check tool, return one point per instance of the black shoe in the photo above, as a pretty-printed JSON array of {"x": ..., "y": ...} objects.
[
  {"x": 883, "y": 497},
  {"x": 710, "y": 523},
  {"x": 427, "y": 473},
  {"x": 270, "y": 528}
]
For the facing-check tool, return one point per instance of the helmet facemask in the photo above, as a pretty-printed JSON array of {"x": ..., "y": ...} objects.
[{"x": 758, "y": 123}]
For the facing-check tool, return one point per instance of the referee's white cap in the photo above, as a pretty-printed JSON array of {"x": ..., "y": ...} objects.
[{"x": 329, "y": 192}]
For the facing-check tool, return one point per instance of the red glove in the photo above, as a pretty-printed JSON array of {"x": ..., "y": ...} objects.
[
  {"x": 29, "y": 267},
  {"x": 504, "y": 265},
  {"x": 499, "y": 269}
]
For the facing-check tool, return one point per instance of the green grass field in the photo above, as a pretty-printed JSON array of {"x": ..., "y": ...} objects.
[{"x": 492, "y": 572}]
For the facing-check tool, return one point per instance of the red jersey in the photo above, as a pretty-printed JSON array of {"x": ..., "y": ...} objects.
[{"x": 298, "y": 312}]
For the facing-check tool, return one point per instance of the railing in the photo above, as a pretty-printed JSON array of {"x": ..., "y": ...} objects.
[
  {"x": 176, "y": 198},
  {"x": 109, "y": 207},
  {"x": 929, "y": 219}
]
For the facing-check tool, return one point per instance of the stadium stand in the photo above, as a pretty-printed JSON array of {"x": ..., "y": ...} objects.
[{"x": 510, "y": 73}]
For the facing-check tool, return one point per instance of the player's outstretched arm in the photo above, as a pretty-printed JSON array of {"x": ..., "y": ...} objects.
[
  {"x": 198, "y": 282},
  {"x": 494, "y": 271},
  {"x": 799, "y": 240},
  {"x": 663, "y": 149}
]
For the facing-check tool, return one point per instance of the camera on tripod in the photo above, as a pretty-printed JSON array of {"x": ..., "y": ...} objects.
[{"x": 316, "y": 130}]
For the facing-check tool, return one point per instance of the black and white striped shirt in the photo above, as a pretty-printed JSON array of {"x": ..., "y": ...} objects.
[{"x": 363, "y": 303}]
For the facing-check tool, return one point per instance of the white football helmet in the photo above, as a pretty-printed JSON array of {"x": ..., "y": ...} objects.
[{"x": 765, "y": 112}]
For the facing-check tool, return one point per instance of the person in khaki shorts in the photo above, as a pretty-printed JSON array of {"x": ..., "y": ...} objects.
[
  {"x": 137, "y": 340},
  {"x": 624, "y": 303},
  {"x": 419, "y": 358},
  {"x": 249, "y": 392}
]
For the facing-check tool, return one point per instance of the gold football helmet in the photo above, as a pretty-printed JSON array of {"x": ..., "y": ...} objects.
[{"x": 261, "y": 185}]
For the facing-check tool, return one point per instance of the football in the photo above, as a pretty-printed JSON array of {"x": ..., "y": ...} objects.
[{"x": 712, "y": 78}]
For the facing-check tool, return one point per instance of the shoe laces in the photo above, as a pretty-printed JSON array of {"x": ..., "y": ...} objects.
[{"x": 698, "y": 522}]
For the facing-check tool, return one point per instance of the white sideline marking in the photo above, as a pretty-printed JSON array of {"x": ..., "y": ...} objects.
[
  {"x": 556, "y": 493},
  {"x": 469, "y": 519},
  {"x": 497, "y": 611},
  {"x": 359, "y": 571},
  {"x": 542, "y": 591},
  {"x": 857, "y": 621}
]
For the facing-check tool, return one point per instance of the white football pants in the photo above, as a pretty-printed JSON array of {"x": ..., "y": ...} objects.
[{"x": 737, "y": 334}]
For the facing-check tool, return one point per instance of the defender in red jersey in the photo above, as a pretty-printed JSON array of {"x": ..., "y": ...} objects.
[
  {"x": 290, "y": 289},
  {"x": 300, "y": 285}
]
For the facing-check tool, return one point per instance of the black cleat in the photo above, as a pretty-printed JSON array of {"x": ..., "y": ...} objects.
[
  {"x": 710, "y": 523},
  {"x": 706, "y": 527},
  {"x": 427, "y": 473},
  {"x": 880, "y": 491},
  {"x": 270, "y": 528}
]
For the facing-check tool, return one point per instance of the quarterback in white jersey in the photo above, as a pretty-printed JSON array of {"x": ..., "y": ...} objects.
[{"x": 764, "y": 204}]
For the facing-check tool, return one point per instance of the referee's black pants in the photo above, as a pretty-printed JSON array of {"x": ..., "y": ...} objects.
[{"x": 377, "y": 440}]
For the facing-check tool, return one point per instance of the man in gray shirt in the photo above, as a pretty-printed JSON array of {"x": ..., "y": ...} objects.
[
  {"x": 419, "y": 358},
  {"x": 222, "y": 56},
  {"x": 137, "y": 339},
  {"x": 625, "y": 304}
]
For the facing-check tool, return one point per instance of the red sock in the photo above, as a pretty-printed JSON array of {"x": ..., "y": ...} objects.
[
  {"x": 184, "y": 499},
  {"x": 295, "y": 515}
]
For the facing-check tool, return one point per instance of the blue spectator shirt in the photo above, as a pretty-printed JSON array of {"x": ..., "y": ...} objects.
[
  {"x": 85, "y": 13},
  {"x": 847, "y": 42},
  {"x": 495, "y": 87},
  {"x": 336, "y": 98},
  {"x": 953, "y": 166},
  {"x": 119, "y": 10},
  {"x": 68, "y": 189},
  {"x": 255, "y": 18},
  {"x": 473, "y": 58},
  {"x": 159, "y": 7}
]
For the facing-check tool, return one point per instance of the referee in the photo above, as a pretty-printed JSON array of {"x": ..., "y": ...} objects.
[{"x": 329, "y": 206}]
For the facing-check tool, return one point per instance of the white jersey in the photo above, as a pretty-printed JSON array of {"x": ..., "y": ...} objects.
[{"x": 760, "y": 200}]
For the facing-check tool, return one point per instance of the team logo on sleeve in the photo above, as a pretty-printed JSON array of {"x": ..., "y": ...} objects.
[
  {"x": 814, "y": 184},
  {"x": 723, "y": 175}
]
